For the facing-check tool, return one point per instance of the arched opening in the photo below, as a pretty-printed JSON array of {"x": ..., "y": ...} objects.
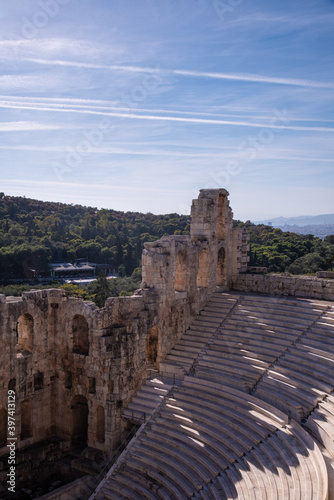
[
  {"x": 3, "y": 428},
  {"x": 100, "y": 424},
  {"x": 92, "y": 385},
  {"x": 152, "y": 344},
  {"x": 79, "y": 420},
  {"x": 25, "y": 332},
  {"x": 221, "y": 218},
  {"x": 181, "y": 271},
  {"x": 221, "y": 267},
  {"x": 80, "y": 335},
  {"x": 38, "y": 381},
  {"x": 68, "y": 380},
  {"x": 26, "y": 422},
  {"x": 203, "y": 269},
  {"x": 12, "y": 384}
]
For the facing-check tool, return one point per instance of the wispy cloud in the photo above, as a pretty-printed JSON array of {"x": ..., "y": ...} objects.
[
  {"x": 116, "y": 151},
  {"x": 225, "y": 153},
  {"x": 257, "y": 78},
  {"x": 75, "y": 185},
  {"x": 56, "y": 47},
  {"x": 27, "y": 81},
  {"x": 65, "y": 108},
  {"x": 242, "y": 77},
  {"x": 27, "y": 125},
  {"x": 282, "y": 21},
  {"x": 114, "y": 105}
]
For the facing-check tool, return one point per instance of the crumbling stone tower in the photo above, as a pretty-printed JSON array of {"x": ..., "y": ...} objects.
[{"x": 212, "y": 254}]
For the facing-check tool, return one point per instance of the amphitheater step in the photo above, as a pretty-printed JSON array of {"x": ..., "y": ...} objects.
[{"x": 147, "y": 400}]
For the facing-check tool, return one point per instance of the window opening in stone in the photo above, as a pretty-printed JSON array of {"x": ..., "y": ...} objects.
[
  {"x": 38, "y": 381},
  {"x": 203, "y": 269},
  {"x": 25, "y": 332},
  {"x": 80, "y": 335},
  {"x": 152, "y": 344},
  {"x": 221, "y": 267},
  {"x": 79, "y": 411},
  {"x": 100, "y": 424},
  {"x": 181, "y": 271},
  {"x": 26, "y": 425},
  {"x": 68, "y": 380},
  {"x": 92, "y": 385}
]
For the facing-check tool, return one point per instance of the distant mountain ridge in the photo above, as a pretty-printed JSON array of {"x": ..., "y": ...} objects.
[{"x": 302, "y": 220}]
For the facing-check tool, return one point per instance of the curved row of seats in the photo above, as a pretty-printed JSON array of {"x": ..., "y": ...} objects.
[
  {"x": 265, "y": 472},
  {"x": 225, "y": 432},
  {"x": 209, "y": 441},
  {"x": 259, "y": 335},
  {"x": 304, "y": 376}
]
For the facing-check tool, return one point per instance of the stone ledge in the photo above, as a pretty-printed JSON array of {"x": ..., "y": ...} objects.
[
  {"x": 325, "y": 274},
  {"x": 297, "y": 286}
]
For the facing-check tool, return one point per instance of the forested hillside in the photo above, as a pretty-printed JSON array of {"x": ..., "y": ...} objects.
[
  {"x": 281, "y": 251},
  {"x": 34, "y": 233}
]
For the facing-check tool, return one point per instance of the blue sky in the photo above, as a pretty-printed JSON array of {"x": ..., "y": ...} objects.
[{"x": 137, "y": 104}]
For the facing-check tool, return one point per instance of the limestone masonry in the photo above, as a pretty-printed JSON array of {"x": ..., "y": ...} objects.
[{"x": 75, "y": 368}]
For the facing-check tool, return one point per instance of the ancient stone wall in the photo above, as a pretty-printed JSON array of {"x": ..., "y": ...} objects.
[{"x": 74, "y": 367}]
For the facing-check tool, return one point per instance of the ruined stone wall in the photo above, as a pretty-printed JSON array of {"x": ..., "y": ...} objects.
[
  {"x": 297, "y": 286},
  {"x": 74, "y": 367},
  {"x": 59, "y": 383}
]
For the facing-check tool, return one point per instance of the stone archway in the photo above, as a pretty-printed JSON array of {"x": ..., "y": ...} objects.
[
  {"x": 152, "y": 343},
  {"x": 80, "y": 332},
  {"x": 79, "y": 421},
  {"x": 181, "y": 271},
  {"x": 203, "y": 269},
  {"x": 221, "y": 272},
  {"x": 25, "y": 332}
]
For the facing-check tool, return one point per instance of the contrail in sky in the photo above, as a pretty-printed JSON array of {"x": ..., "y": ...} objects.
[
  {"x": 242, "y": 77},
  {"x": 114, "y": 112}
]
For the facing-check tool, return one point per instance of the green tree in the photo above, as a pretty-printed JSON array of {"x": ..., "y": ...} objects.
[{"x": 102, "y": 290}]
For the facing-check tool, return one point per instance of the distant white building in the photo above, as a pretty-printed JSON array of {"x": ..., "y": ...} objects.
[{"x": 81, "y": 269}]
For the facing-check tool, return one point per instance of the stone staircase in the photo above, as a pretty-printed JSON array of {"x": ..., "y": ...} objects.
[{"x": 183, "y": 355}]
